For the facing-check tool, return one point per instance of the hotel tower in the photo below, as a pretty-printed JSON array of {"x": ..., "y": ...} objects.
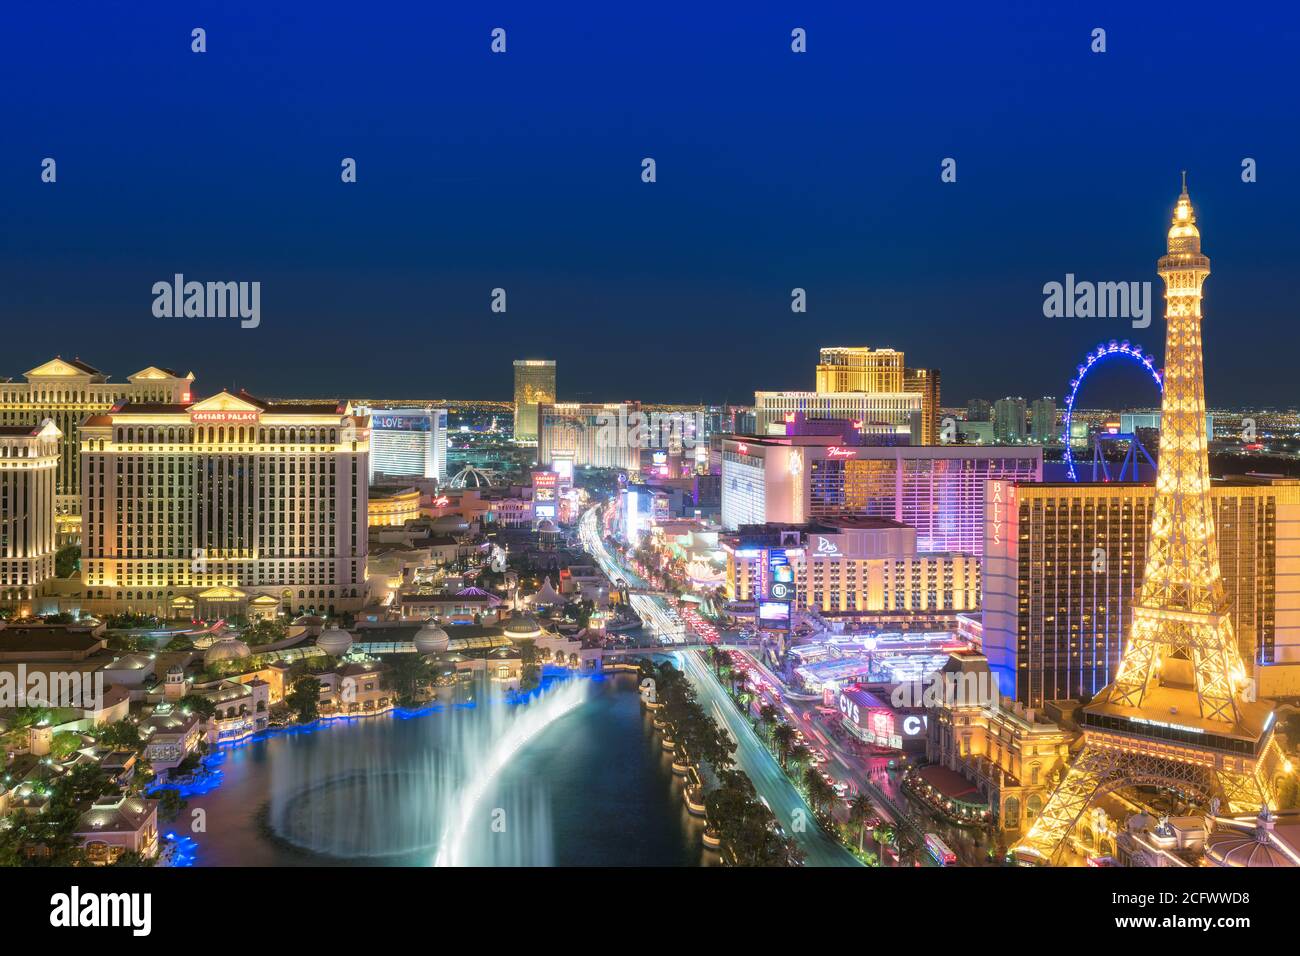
[
  {"x": 534, "y": 386},
  {"x": 226, "y": 507},
  {"x": 65, "y": 391},
  {"x": 29, "y": 457}
]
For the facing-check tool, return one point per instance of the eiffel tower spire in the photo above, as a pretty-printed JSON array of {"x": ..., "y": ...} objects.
[
  {"x": 1181, "y": 614},
  {"x": 1179, "y": 713}
]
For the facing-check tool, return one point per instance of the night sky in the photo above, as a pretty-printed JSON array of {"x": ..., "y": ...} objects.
[{"x": 523, "y": 171}]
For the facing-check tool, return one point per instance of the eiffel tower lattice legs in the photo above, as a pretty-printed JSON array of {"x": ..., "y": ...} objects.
[
  {"x": 1090, "y": 770},
  {"x": 1243, "y": 784}
]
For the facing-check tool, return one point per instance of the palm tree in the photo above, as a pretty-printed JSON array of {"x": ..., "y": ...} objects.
[
  {"x": 767, "y": 714},
  {"x": 799, "y": 755},
  {"x": 783, "y": 737},
  {"x": 859, "y": 810},
  {"x": 820, "y": 792}
]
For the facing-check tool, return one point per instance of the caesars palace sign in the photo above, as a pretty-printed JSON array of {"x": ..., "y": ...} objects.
[{"x": 225, "y": 417}]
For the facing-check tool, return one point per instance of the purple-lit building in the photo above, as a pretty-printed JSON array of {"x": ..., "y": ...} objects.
[{"x": 936, "y": 489}]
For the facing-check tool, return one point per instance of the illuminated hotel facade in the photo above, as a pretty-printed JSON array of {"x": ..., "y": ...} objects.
[
  {"x": 861, "y": 384},
  {"x": 938, "y": 490},
  {"x": 860, "y": 369},
  {"x": 578, "y": 434},
  {"x": 534, "y": 386},
  {"x": 925, "y": 382},
  {"x": 226, "y": 507},
  {"x": 1064, "y": 562},
  {"x": 861, "y": 570},
  {"x": 407, "y": 442},
  {"x": 902, "y": 410},
  {"x": 65, "y": 391},
  {"x": 29, "y": 460}
]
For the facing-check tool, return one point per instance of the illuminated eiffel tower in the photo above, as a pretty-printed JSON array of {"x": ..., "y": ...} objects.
[{"x": 1180, "y": 712}]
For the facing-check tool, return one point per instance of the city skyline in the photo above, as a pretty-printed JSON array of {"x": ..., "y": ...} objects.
[
  {"x": 860, "y": 467},
  {"x": 509, "y": 185}
]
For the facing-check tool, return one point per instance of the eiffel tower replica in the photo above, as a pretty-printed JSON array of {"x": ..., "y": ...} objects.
[{"x": 1180, "y": 713}]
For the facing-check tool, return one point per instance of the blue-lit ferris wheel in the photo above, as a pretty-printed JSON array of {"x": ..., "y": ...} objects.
[{"x": 1101, "y": 353}]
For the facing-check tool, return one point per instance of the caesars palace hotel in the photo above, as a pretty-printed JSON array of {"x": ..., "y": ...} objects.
[{"x": 225, "y": 507}]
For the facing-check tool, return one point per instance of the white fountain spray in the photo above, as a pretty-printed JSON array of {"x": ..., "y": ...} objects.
[
  {"x": 359, "y": 791},
  {"x": 526, "y": 721}
]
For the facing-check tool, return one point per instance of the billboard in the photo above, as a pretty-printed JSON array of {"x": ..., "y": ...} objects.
[
  {"x": 774, "y": 614},
  {"x": 401, "y": 423}
]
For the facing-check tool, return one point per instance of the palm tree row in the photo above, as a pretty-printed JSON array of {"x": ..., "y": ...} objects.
[{"x": 748, "y": 832}]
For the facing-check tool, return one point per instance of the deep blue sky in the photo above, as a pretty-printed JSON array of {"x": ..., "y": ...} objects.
[{"x": 523, "y": 171}]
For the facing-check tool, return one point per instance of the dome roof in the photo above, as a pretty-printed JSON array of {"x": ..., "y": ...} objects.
[
  {"x": 522, "y": 627},
  {"x": 471, "y": 477},
  {"x": 1242, "y": 848},
  {"x": 1248, "y": 846},
  {"x": 226, "y": 649},
  {"x": 546, "y": 526},
  {"x": 334, "y": 641},
  {"x": 431, "y": 639}
]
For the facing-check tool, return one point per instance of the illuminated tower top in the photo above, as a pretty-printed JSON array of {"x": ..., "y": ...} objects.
[{"x": 1184, "y": 268}]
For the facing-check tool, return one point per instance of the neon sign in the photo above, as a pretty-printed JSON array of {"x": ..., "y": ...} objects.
[
  {"x": 827, "y": 546},
  {"x": 224, "y": 416},
  {"x": 835, "y": 451}
]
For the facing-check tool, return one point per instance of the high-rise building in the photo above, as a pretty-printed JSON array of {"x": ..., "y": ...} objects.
[
  {"x": 937, "y": 489},
  {"x": 863, "y": 571},
  {"x": 853, "y": 369},
  {"x": 577, "y": 434},
  {"x": 1042, "y": 421},
  {"x": 979, "y": 410},
  {"x": 534, "y": 385},
  {"x": 29, "y": 458},
  {"x": 67, "y": 390},
  {"x": 925, "y": 381},
  {"x": 1180, "y": 712},
  {"x": 869, "y": 386},
  {"x": 1009, "y": 420},
  {"x": 407, "y": 442},
  {"x": 1063, "y": 566},
  {"x": 229, "y": 507},
  {"x": 901, "y": 410}
]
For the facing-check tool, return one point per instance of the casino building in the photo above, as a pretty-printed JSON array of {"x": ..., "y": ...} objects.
[
  {"x": 226, "y": 507},
  {"x": 1064, "y": 560},
  {"x": 861, "y": 384},
  {"x": 65, "y": 391},
  {"x": 862, "y": 572},
  {"x": 580, "y": 434},
  {"x": 29, "y": 458},
  {"x": 407, "y": 442},
  {"x": 1009, "y": 753},
  {"x": 938, "y": 490}
]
